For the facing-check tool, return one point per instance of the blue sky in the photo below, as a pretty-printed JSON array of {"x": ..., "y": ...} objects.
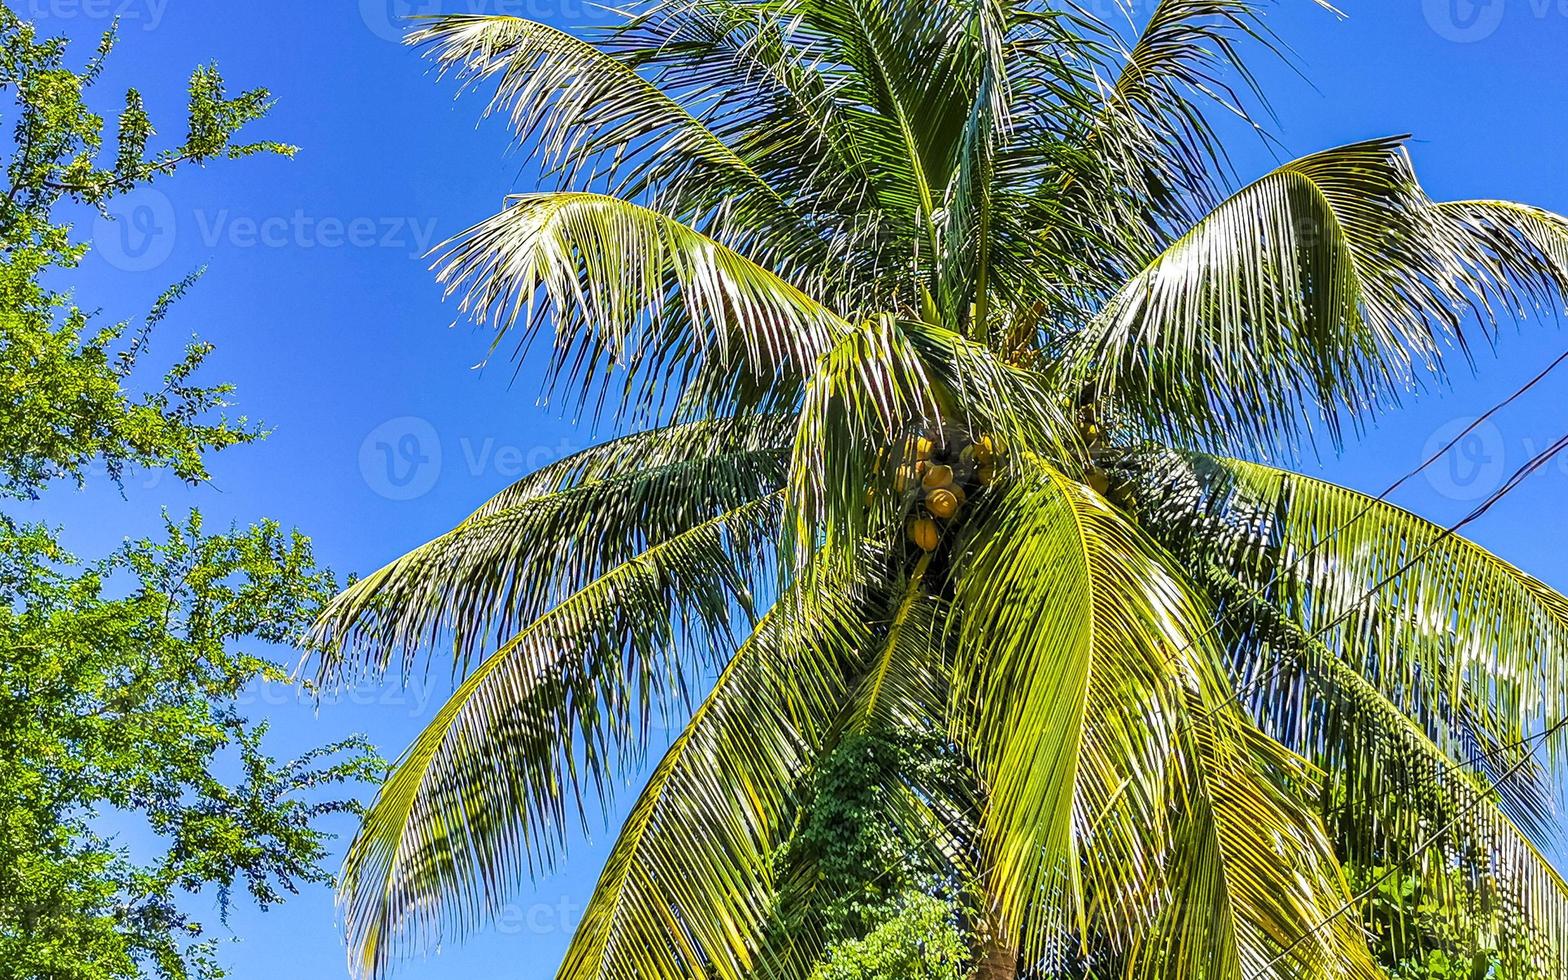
[{"x": 328, "y": 321}]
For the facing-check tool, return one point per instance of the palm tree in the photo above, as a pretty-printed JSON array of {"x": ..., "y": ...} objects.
[{"x": 950, "y": 353}]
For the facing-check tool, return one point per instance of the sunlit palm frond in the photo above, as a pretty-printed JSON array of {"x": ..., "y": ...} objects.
[
  {"x": 623, "y": 456},
  {"x": 1105, "y": 741},
  {"x": 1317, "y": 293},
  {"x": 631, "y": 290},
  {"x": 1155, "y": 161},
  {"x": 1448, "y": 630},
  {"x": 688, "y": 887},
  {"x": 579, "y": 108},
  {"x": 529, "y": 547},
  {"x": 1521, "y": 252},
  {"x": 487, "y": 791},
  {"x": 1400, "y": 798}
]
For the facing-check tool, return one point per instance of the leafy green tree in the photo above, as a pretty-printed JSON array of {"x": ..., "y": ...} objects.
[
  {"x": 121, "y": 700},
  {"x": 69, "y": 390},
  {"x": 889, "y": 909},
  {"x": 948, "y": 346},
  {"x": 123, "y": 681},
  {"x": 1420, "y": 932}
]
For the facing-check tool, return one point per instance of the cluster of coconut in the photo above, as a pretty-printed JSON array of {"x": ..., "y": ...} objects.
[{"x": 943, "y": 476}]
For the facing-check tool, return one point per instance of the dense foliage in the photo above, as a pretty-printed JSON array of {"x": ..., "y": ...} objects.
[
  {"x": 70, "y": 393},
  {"x": 121, "y": 716},
  {"x": 137, "y": 799},
  {"x": 890, "y": 909},
  {"x": 948, "y": 347}
]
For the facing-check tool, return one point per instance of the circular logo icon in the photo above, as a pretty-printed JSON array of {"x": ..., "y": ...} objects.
[
  {"x": 136, "y": 231},
  {"x": 401, "y": 458},
  {"x": 1464, "y": 21},
  {"x": 1473, "y": 467},
  {"x": 388, "y": 19}
]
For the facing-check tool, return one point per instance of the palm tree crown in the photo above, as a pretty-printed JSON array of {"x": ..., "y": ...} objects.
[{"x": 948, "y": 346}]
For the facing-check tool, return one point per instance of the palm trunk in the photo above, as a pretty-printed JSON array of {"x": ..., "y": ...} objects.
[{"x": 997, "y": 956}]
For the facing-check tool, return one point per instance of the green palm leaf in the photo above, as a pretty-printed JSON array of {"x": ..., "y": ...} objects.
[
  {"x": 696, "y": 852},
  {"x": 1104, "y": 736},
  {"x": 634, "y": 290},
  {"x": 1408, "y": 800},
  {"x": 486, "y": 791},
  {"x": 1322, "y": 290},
  {"x": 1449, "y": 630},
  {"x": 546, "y": 537}
]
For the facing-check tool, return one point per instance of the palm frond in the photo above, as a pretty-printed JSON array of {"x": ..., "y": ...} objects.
[
  {"x": 577, "y": 106},
  {"x": 688, "y": 887},
  {"x": 485, "y": 794},
  {"x": 634, "y": 291},
  {"x": 1407, "y": 801},
  {"x": 546, "y": 537},
  {"x": 1449, "y": 631},
  {"x": 1104, "y": 738},
  {"x": 1315, "y": 294}
]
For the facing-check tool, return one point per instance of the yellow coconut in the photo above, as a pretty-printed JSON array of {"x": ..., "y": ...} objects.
[
  {"x": 986, "y": 473},
  {"x": 1099, "y": 481},
  {"x": 942, "y": 503},
  {"x": 923, "y": 447},
  {"x": 988, "y": 448},
  {"x": 938, "y": 476},
  {"x": 906, "y": 477},
  {"x": 923, "y": 532}
]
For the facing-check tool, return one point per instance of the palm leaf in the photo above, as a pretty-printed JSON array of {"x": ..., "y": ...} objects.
[
  {"x": 1407, "y": 801},
  {"x": 545, "y": 537},
  {"x": 485, "y": 792},
  {"x": 1318, "y": 292},
  {"x": 633, "y": 290},
  {"x": 1448, "y": 630},
  {"x": 1105, "y": 741},
  {"x": 688, "y": 886}
]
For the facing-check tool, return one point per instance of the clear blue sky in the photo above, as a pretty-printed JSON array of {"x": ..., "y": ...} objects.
[{"x": 329, "y": 322}]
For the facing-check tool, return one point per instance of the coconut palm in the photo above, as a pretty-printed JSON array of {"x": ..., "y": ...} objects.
[{"x": 949, "y": 351}]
